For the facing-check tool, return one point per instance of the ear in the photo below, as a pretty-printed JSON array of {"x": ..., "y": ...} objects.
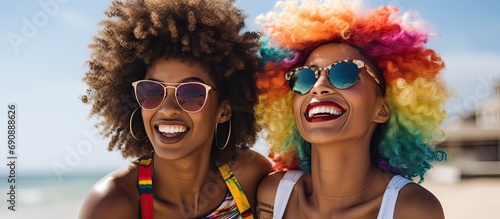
[
  {"x": 383, "y": 112},
  {"x": 224, "y": 112}
]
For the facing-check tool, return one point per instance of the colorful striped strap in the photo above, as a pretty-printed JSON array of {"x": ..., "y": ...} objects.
[
  {"x": 146, "y": 186},
  {"x": 146, "y": 189},
  {"x": 236, "y": 191}
]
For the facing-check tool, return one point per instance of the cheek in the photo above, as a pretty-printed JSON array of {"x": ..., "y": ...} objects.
[
  {"x": 211, "y": 109},
  {"x": 298, "y": 101},
  {"x": 146, "y": 118},
  {"x": 364, "y": 106},
  {"x": 208, "y": 116}
]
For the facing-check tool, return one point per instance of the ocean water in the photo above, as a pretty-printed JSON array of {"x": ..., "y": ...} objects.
[{"x": 46, "y": 197}]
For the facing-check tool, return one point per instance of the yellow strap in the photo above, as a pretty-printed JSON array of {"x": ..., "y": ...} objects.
[{"x": 236, "y": 191}]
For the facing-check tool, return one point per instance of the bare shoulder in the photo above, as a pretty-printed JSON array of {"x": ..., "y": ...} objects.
[
  {"x": 267, "y": 193},
  {"x": 114, "y": 196},
  {"x": 250, "y": 166},
  {"x": 415, "y": 201}
]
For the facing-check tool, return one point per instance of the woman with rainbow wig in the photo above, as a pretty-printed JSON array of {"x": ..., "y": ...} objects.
[{"x": 351, "y": 102}]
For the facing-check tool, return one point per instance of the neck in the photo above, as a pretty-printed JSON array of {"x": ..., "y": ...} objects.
[
  {"x": 189, "y": 181},
  {"x": 341, "y": 172}
]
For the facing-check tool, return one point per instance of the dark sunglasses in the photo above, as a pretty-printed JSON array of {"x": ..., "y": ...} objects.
[
  {"x": 191, "y": 96},
  {"x": 342, "y": 75}
]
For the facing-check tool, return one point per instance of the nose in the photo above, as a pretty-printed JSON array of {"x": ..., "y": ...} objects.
[
  {"x": 322, "y": 85},
  {"x": 170, "y": 107}
]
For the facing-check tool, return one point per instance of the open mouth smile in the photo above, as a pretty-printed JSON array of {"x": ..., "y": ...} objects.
[
  {"x": 171, "y": 133},
  {"x": 323, "y": 111}
]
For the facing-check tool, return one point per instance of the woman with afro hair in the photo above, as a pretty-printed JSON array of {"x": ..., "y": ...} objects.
[
  {"x": 351, "y": 102},
  {"x": 174, "y": 83}
]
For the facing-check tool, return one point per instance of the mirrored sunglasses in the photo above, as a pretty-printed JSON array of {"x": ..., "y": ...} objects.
[
  {"x": 341, "y": 74},
  {"x": 191, "y": 96}
]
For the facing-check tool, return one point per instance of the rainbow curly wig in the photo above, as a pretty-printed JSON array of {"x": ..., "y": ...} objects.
[{"x": 415, "y": 92}]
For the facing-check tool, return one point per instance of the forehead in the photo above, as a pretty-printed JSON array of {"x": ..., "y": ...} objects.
[{"x": 328, "y": 53}]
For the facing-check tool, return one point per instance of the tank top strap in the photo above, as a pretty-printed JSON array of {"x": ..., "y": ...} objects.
[
  {"x": 391, "y": 196},
  {"x": 145, "y": 182},
  {"x": 284, "y": 191},
  {"x": 236, "y": 191}
]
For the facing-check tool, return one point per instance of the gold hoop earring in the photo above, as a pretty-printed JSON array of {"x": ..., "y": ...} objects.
[
  {"x": 228, "y": 136},
  {"x": 130, "y": 126}
]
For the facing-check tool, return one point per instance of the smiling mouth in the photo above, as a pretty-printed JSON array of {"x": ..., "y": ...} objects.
[
  {"x": 170, "y": 131},
  {"x": 323, "y": 111}
]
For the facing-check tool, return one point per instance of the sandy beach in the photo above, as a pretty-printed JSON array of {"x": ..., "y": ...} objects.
[{"x": 470, "y": 198}]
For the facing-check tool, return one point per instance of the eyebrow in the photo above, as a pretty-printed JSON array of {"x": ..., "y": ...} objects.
[{"x": 190, "y": 79}]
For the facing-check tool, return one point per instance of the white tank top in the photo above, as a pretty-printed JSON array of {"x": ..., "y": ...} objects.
[{"x": 291, "y": 177}]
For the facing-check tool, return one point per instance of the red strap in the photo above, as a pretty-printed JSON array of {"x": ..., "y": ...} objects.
[{"x": 145, "y": 182}]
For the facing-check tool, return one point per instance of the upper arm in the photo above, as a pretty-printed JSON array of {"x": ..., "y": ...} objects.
[
  {"x": 266, "y": 195},
  {"x": 250, "y": 168},
  {"x": 415, "y": 201},
  {"x": 107, "y": 200}
]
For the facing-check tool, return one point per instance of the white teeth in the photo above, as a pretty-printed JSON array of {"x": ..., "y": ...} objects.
[
  {"x": 325, "y": 109},
  {"x": 172, "y": 128}
]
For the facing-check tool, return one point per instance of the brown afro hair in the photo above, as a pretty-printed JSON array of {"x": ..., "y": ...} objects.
[{"x": 138, "y": 32}]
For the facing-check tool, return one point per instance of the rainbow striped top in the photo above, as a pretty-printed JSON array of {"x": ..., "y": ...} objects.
[{"x": 234, "y": 206}]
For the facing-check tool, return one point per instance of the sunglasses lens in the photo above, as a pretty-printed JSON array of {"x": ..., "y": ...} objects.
[
  {"x": 302, "y": 81},
  {"x": 149, "y": 94},
  {"x": 343, "y": 75},
  {"x": 191, "y": 97}
]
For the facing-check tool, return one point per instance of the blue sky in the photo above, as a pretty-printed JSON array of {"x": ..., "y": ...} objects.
[{"x": 41, "y": 72}]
